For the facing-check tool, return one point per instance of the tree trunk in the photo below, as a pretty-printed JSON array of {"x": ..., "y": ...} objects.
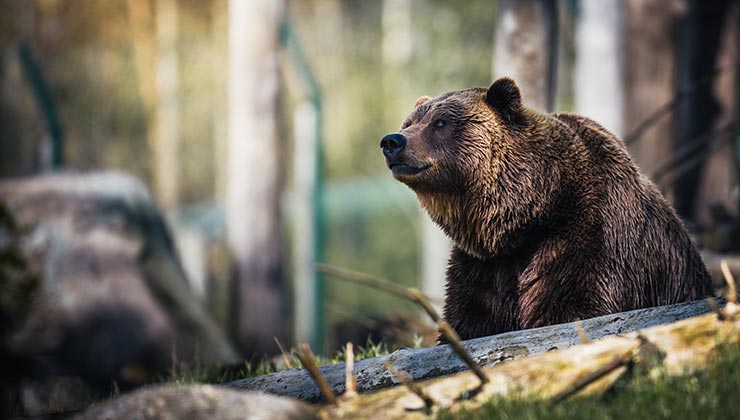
[
  {"x": 598, "y": 78},
  {"x": 154, "y": 34},
  {"x": 649, "y": 77},
  {"x": 167, "y": 113},
  {"x": 700, "y": 32},
  {"x": 254, "y": 168},
  {"x": 526, "y": 49},
  {"x": 719, "y": 176}
]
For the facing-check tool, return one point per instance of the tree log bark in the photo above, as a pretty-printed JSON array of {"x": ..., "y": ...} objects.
[
  {"x": 488, "y": 351},
  {"x": 590, "y": 368}
]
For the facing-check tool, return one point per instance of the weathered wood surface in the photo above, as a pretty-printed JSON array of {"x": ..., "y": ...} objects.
[
  {"x": 488, "y": 351},
  {"x": 675, "y": 349}
]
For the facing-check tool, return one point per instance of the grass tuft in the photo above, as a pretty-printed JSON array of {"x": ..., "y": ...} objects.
[{"x": 711, "y": 393}]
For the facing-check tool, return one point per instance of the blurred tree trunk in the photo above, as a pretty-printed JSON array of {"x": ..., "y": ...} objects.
[
  {"x": 719, "y": 176},
  {"x": 19, "y": 125},
  {"x": 526, "y": 49},
  {"x": 154, "y": 34},
  {"x": 167, "y": 107},
  {"x": 254, "y": 168},
  {"x": 219, "y": 109},
  {"x": 699, "y": 45},
  {"x": 681, "y": 52},
  {"x": 598, "y": 77},
  {"x": 648, "y": 69}
]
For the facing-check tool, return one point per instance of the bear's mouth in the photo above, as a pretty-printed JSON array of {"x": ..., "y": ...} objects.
[{"x": 404, "y": 169}]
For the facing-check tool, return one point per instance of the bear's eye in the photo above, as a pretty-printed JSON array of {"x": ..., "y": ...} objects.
[{"x": 439, "y": 123}]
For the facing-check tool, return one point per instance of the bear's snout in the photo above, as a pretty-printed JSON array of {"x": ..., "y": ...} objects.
[{"x": 392, "y": 144}]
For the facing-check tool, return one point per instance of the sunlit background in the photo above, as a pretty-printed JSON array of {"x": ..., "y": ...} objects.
[{"x": 256, "y": 127}]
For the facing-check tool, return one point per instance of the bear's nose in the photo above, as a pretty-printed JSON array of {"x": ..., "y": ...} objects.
[{"x": 392, "y": 144}]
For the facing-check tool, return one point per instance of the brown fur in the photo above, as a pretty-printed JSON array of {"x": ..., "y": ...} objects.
[{"x": 551, "y": 219}]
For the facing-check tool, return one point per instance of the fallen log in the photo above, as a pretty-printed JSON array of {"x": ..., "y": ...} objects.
[
  {"x": 674, "y": 349},
  {"x": 432, "y": 362}
]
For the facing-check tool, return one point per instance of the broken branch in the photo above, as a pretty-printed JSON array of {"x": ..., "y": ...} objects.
[
  {"x": 305, "y": 355},
  {"x": 409, "y": 383},
  {"x": 415, "y": 296}
]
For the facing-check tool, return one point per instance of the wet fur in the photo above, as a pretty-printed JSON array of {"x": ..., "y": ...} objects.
[{"x": 551, "y": 219}]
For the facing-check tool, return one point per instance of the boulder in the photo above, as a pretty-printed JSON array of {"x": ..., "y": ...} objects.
[
  {"x": 196, "y": 402},
  {"x": 112, "y": 304}
]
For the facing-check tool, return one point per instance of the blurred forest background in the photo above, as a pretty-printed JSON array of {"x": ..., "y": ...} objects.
[{"x": 257, "y": 188}]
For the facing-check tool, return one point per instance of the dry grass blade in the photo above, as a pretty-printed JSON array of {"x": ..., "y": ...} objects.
[
  {"x": 715, "y": 308},
  {"x": 365, "y": 279},
  {"x": 456, "y": 344},
  {"x": 305, "y": 355},
  {"x": 582, "y": 333},
  {"x": 406, "y": 380},
  {"x": 350, "y": 381},
  {"x": 616, "y": 363},
  {"x": 731, "y": 285},
  {"x": 283, "y": 352},
  {"x": 415, "y": 296}
]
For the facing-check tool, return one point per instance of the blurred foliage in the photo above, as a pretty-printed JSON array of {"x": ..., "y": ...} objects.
[
  {"x": 87, "y": 54},
  {"x": 367, "y": 94},
  {"x": 17, "y": 282},
  {"x": 185, "y": 374}
]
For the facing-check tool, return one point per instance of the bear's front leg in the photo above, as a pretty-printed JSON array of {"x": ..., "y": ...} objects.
[
  {"x": 481, "y": 295},
  {"x": 563, "y": 289}
]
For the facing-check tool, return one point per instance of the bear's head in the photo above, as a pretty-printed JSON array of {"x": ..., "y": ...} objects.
[{"x": 477, "y": 162}]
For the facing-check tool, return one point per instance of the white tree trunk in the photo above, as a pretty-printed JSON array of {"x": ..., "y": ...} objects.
[
  {"x": 153, "y": 29},
  {"x": 167, "y": 115},
  {"x": 598, "y": 79},
  {"x": 522, "y": 49},
  {"x": 304, "y": 252},
  {"x": 253, "y": 213}
]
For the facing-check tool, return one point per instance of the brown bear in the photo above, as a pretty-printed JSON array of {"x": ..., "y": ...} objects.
[{"x": 550, "y": 217}]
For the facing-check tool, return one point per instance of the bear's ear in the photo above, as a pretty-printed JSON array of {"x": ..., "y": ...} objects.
[
  {"x": 421, "y": 100},
  {"x": 503, "y": 97}
]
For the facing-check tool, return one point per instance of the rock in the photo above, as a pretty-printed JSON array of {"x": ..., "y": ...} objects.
[
  {"x": 197, "y": 402},
  {"x": 112, "y": 304}
]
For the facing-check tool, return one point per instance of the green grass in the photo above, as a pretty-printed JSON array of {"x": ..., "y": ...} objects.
[
  {"x": 184, "y": 374},
  {"x": 712, "y": 393}
]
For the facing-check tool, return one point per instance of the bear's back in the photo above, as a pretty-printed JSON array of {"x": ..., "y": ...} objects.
[{"x": 655, "y": 260}]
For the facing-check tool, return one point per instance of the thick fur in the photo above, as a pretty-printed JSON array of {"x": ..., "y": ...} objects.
[{"x": 551, "y": 219}]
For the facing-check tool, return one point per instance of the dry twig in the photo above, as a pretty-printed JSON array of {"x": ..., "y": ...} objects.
[
  {"x": 350, "y": 381},
  {"x": 715, "y": 308},
  {"x": 670, "y": 106},
  {"x": 283, "y": 352},
  {"x": 731, "y": 285},
  {"x": 412, "y": 386},
  {"x": 415, "y": 296},
  {"x": 305, "y": 355},
  {"x": 577, "y": 385},
  {"x": 693, "y": 153}
]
